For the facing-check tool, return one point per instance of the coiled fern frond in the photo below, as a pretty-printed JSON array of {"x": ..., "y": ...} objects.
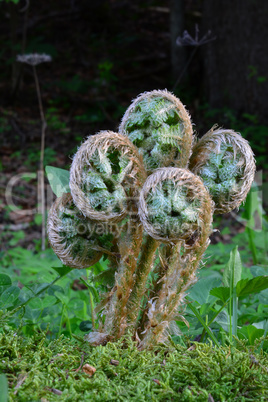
[
  {"x": 225, "y": 162},
  {"x": 73, "y": 237},
  {"x": 159, "y": 125},
  {"x": 173, "y": 205},
  {"x": 106, "y": 173}
]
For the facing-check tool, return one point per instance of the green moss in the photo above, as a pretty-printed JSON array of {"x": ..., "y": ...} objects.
[{"x": 165, "y": 374}]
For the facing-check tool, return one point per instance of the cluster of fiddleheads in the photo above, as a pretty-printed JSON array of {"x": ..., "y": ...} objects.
[{"x": 150, "y": 176}]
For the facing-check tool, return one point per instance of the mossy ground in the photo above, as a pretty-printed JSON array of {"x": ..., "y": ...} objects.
[{"x": 42, "y": 370}]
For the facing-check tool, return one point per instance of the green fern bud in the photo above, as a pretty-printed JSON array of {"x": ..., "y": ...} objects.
[
  {"x": 174, "y": 205},
  {"x": 106, "y": 173},
  {"x": 225, "y": 162},
  {"x": 159, "y": 125},
  {"x": 72, "y": 236}
]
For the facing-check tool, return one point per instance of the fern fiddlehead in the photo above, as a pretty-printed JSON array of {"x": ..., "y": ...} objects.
[
  {"x": 160, "y": 127},
  {"x": 188, "y": 230},
  {"x": 106, "y": 173},
  {"x": 225, "y": 162},
  {"x": 170, "y": 210},
  {"x": 73, "y": 237}
]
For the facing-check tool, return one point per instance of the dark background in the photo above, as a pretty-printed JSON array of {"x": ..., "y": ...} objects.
[{"x": 105, "y": 53}]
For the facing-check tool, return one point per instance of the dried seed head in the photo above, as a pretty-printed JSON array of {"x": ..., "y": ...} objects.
[
  {"x": 34, "y": 58},
  {"x": 225, "y": 162},
  {"x": 72, "y": 236},
  {"x": 159, "y": 125},
  {"x": 107, "y": 172},
  {"x": 174, "y": 205}
]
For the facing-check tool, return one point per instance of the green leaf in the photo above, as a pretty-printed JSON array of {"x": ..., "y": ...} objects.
[
  {"x": 58, "y": 180},
  {"x": 75, "y": 305},
  {"x": 9, "y": 296},
  {"x": 49, "y": 301},
  {"x": 85, "y": 326},
  {"x": 233, "y": 271},
  {"x": 61, "y": 297},
  {"x": 200, "y": 292},
  {"x": 246, "y": 287},
  {"x": 62, "y": 271},
  {"x": 92, "y": 290},
  {"x": 202, "y": 322},
  {"x": 222, "y": 293},
  {"x": 5, "y": 282},
  {"x": 257, "y": 270},
  {"x": 105, "y": 277},
  {"x": 250, "y": 333},
  {"x": 3, "y": 388},
  {"x": 223, "y": 320},
  {"x": 36, "y": 304}
]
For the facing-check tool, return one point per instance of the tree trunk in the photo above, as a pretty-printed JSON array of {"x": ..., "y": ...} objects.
[{"x": 236, "y": 62}]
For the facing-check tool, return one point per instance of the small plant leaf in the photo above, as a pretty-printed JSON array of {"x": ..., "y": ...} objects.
[
  {"x": 5, "y": 282},
  {"x": 223, "y": 320},
  {"x": 49, "y": 301},
  {"x": 3, "y": 388},
  {"x": 233, "y": 271},
  {"x": 75, "y": 305},
  {"x": 92, "y": 290},
  {"x": 58, "y": 180},
  {"x": 61, "y": 297},
  {"x": 9, "y": 296},
  {"x": 85, "y": 326},
  {"x": 35, "y": 304},
  {"x": 222, "y": 293},
  {"x": 200, "y": 292},
  {"x": 250, "y": 333},
  {"x": 62, "y": 271},
  {"x": 105, "y": 277},
  {"x": 246, "y": 287}
]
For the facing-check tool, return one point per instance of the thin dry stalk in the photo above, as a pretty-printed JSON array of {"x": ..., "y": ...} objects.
[{"x": 42, "y": 150}]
